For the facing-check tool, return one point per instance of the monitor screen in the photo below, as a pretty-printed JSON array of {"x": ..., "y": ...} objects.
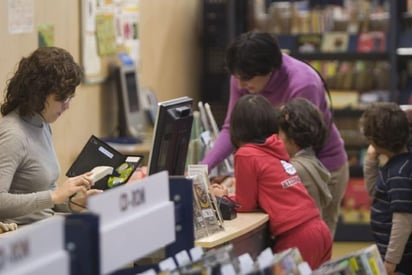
[
  {"x": 131, "y": 114},
  {"x": 131, "y": 87},
  {"x": 171, "y": 136}
]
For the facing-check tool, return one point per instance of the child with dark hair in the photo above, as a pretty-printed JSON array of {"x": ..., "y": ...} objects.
[
  {"x": 303, "y": 130},
  {"x": 386, "y": 128},
  {"x": 265, "y": 179}
]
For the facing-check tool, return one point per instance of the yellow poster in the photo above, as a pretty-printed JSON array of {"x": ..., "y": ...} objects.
[
  {"x": 45, "y": 35},
  {"x": 105, "y": 34}
]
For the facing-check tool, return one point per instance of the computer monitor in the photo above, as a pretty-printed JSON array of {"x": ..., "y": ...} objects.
[
  {"x": 171, "y": 136},
  {"x": 131, "y": 114}
]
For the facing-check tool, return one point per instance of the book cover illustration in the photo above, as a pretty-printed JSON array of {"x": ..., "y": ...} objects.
[
  {"x": 356, "y": 203},
  {"x": 364, "y": 261},
  {"x": 371, "y": 42},
  {"x": 308, "y": 43},
  {"x": 204, "y": 208},
  {"x": 333, "y": 42}
]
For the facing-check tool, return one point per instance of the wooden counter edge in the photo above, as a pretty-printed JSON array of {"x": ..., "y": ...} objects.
[{"x": 242, "y": 224}]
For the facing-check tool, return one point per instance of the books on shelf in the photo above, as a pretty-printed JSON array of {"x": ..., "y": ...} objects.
[
  {"x": 364, "y": 261},
  {"x": 344, "y": 98},
  {"x": 335, "y": 42},
  {"x": 356, "y": 203},
  {"x": 308, "y": 43},
  {"x": 371, "y": 42},
  {"x": 287, "y": 262}
]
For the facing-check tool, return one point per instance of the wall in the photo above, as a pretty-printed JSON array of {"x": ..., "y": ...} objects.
[{"x": 169, "y": 33}]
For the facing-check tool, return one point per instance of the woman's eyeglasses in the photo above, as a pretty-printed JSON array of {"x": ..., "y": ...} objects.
[{"x": 67, "y": 99}]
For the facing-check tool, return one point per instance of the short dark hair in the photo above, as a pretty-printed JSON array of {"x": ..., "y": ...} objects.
[
  {"x": 253, "y": 53},
  {"x": 253, "y": 119},
  {"x": 304, "y": 123},
  {"x": 386, "y": 125},
  {"x": 48, "y": 70}
]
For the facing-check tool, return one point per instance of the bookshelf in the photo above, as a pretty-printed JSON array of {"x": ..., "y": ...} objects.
[
  {"x": 363, "y": 49},
  {"x": 404, "y": 50},
  {"x": 378, "y": 68}
]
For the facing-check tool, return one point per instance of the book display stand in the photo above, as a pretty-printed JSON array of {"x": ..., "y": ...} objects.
[{"x": 122, "y": 225}]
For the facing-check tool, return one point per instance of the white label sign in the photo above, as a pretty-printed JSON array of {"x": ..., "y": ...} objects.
[
  {"x": 35, "y": 249},
  {"x": 120, "y": 202}
]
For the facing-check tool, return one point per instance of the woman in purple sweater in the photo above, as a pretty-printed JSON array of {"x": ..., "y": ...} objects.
[{"x": 257, "y": 65}]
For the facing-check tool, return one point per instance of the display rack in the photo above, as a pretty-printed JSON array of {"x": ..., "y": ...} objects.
[
  {"x": 35, "y": 250},
  {"x": 123, "y": 224}
]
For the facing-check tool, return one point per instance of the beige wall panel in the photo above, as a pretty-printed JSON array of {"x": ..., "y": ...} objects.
[
  {"x": 170, "y": 35},
  {"x": 169, "y": 49}
]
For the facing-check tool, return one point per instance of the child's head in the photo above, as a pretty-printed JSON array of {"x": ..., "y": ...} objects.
[
  {"x": 302, "y": 124},
  {"x": 385, "y": 126},
  {"x": 253, "y": 119}
]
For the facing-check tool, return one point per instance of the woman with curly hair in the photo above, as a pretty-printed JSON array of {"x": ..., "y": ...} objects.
[
  {"x": 38, "y": 93},
  {"x": 303, "y": 130}
]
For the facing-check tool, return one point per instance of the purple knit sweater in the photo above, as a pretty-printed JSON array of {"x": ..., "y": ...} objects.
[{"x": 293, "y": 79}]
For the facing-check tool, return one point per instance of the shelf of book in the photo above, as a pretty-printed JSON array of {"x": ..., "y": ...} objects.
[
  {"x": 336, "y": 45},
  {"x": 354, "y": 219},
  {"x": 365, "y": 55},
  {"x": 346, "y": 56}
]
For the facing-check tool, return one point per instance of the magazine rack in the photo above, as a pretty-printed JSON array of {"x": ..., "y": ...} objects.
[
  {"x": 130, "y": 222},
  {"x": 124, "y": 224},
  {"x": 36, "y": 249}
]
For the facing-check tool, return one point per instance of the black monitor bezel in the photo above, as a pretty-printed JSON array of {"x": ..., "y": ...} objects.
[
  {"x": 163, "y": 113},
  {"x": 131, "y": 121}
]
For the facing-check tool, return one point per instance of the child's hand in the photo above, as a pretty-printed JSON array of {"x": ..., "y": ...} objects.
[
  {"x": 390, "y": 268},
  {"x": 218, "y": 190},
  {"x": 140, "y": 173},
  {"x": 371, "y": 153}
]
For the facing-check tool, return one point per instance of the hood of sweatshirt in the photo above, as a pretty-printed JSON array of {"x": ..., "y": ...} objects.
[
  {"x": 274, "y": 146},
  {"x": 307, "y": 160}
]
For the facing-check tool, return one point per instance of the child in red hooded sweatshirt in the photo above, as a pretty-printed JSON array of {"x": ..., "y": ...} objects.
[{"x": 266, "y": 180}]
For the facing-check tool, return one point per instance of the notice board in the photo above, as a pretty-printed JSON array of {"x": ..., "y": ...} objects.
[{"x": 108, "y": 27}]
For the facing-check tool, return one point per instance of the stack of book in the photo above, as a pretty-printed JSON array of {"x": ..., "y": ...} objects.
[{"x": 365, "y": 261}]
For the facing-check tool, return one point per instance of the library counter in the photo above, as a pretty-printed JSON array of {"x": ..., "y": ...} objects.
[
  {"x": 142, "y": 148},
  {"x": 248, "y": 232}
]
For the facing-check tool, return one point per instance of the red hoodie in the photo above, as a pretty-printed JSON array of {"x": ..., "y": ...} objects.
[{"x": 265, "y": 179}]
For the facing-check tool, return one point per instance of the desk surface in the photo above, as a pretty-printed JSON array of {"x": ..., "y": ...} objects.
[
  {"x": 242, "y": 224},
  {"x": 137, "y": 149}
]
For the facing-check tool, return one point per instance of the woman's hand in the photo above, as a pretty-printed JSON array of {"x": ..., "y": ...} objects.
[
  {"x": 5, "y": 227},
  {"x": 71, "y": 186},
  {"x": 78, "y": 202}
]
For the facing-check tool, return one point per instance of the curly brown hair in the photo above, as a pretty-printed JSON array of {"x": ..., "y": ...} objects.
[
  {"x": 386, "y": 125},
  {"x": 304, "y": 123},
  {"x": 48, "y": 70}
]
